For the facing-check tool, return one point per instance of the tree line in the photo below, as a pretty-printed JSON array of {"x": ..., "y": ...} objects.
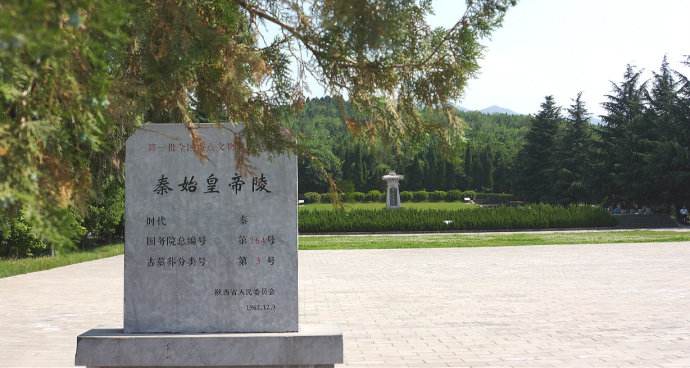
[
  {"x": 480, "y": 157},
  {"x": 638, "y": 155}
]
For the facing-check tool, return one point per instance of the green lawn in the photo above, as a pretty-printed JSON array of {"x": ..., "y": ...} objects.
[
  {"x": 432, "y": 240},
  {"x": 377, "y": 205},
  {"x": 26, "y": 265},
  {"x": 486, "y": 240}
]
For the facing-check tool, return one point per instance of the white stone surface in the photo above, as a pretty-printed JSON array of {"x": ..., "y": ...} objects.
[
  {"x": 607, "y": 305},
  {"x": 202, "y": 255}
]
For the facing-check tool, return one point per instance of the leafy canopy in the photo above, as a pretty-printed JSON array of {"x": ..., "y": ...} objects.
[{"x": 78, "y": 76}]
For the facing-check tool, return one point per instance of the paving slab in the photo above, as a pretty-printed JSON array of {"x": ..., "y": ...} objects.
[{"x": 611, "y": 305}]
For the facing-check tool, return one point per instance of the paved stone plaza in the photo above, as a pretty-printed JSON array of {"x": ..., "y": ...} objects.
[{"x": 625, "y": 305}]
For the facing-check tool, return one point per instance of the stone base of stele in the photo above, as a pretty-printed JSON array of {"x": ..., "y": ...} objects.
[{"x": 314, "y": 346}]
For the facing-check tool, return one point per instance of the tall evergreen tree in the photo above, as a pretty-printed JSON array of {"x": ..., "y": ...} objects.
[
  {"x": 681, "y": 192},
  {"x": 575, "y": 156},
  {"x": 620, "y": 176},
  {"x": 487, "y": 169},
  {"x": 503, "y": 173},
  {"x": 666, "y": 155},
  {"x": 469, "y": 167},
  {"x": 536, "y": 166}
]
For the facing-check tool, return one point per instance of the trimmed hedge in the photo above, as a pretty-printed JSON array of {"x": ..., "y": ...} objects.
[
  {"x": 469, "y": 193},
  {"x": 354, "y": 197},
  {"x": 325, "y": 197},
  {"x": 405, "y": 196},
  {"x": 454, "y": 195},
  {"x": 417, "y": 196},
  {"x": 312, "y": 197},
  {"x": 375, "y": 196},
  {"x": 493, "y": 198},
  {"x": 438, "y": 196},
  {"x": 420, "y": 196},
  {"x": 539, "y": 216}
]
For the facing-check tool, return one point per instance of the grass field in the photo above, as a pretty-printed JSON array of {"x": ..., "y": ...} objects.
[
  {"x": 378, "y": 206},
  {"x": 487, "y": 240},
  {"x": 26, "y": 265},
  {"x": 330, "y": 242}
]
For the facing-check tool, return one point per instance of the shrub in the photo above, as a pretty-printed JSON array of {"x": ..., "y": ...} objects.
[
  {"x": 541, "y": 216},
  {"x": 454, "y": 195},
  {"x": 325, "y": 198},
  {"x": 312, "y": 197},
  {"x": 375, "y": 196},
  {"x": 420, "y": 196},
  {"x": 353, "y": 197},
  {"x": 493, "y": 198},
  {"x": 404, "y": 196},
  {"x": 18, "y": 241},
  {"x": 469, "y": 193},
  {"x": 104, "y": 219},
  {"x": 437, "y": 196}
]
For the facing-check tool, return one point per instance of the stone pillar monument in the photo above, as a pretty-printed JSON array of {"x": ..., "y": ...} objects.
[
  {"x": 210, "y": 260},
  {"x": 393, "y": 189}
]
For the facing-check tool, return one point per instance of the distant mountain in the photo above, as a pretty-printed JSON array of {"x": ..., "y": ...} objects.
[
  {"x": 497, "y": 110},
  {"x": 489, "y": 110}
]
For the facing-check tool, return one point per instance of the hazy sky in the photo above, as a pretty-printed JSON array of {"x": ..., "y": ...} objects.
[{"x": 561, "y": 47}]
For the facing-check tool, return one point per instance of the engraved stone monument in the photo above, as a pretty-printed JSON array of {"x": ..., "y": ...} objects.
[
  {"x": 208, "y": 248},
  {"x": 210, "y": 259},
  {"x": 393, "y": 189}
]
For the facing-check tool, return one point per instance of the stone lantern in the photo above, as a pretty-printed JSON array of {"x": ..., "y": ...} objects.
[{"x": 392, "y": 191}]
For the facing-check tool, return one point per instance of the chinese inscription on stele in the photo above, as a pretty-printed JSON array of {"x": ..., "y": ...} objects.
[{"x": 209, "y": 247}]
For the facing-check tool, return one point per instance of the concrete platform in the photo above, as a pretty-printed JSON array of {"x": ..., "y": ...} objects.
[
  {"x": 565, "y": 306},
  {"x": 314, "y": 346}
]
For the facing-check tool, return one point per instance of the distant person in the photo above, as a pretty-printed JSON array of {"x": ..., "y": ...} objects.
[{"x": 684, "y": 215}]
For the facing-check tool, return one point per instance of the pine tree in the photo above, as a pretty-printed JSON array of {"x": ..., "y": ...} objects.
[
  {"x": 536, "y": 166},
  {"x": 665, "y": 155},
  {"x": 621, "y": 176},
  {"x": 575, "y": 156},
  {"x": 682, "y": 181},
  {"x": 76, "y": 77},
  {"x": 684, "y": 105},
  {"x": 469, "y": 167},
  {"x": 487, "y": 169}
]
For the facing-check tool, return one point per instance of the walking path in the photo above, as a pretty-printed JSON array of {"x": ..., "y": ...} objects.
[{"x": 622, "y": 305}]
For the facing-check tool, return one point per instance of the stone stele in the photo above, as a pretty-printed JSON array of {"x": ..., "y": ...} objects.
[
  {"x": 209, "y": 246},
  {"x": 392, "y": 189},
  {"x": 210, "y": 259}
]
